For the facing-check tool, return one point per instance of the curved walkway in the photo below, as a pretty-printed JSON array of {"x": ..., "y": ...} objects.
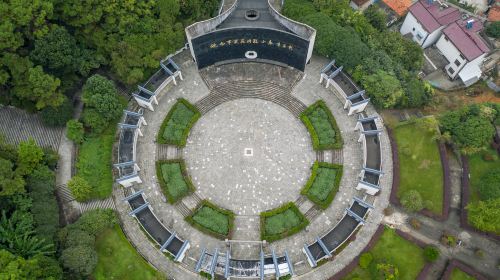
[{"x": 307, "y": 91}]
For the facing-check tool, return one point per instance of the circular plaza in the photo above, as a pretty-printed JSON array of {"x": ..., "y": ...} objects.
[{"x": 249, "y": 155}]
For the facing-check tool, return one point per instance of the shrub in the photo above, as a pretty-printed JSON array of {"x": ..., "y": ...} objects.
[
  {"x": 57, "y": 116},
  {"x": 431, "y": 253},
  {"x": 412, "y": 201},
  {"x": 322, "y": 127},
  {"x": 96, "y": 221},
  {"x": 100, "y": 94},
  {"x": 29, "y": 155},
  {"x": 281, "y": 222},
  {"x": 493, "y": 29},
  {"x": 388, "y": 211},
  {"x": 485, "y": 215},
  {"x": 448, "y": 239},
  {"x": 489, "y": 187},
  {"x": 479, "y": 253},
  {"x": 50, "y": 158},
  {"x": 365, "y": 260},
  {"x": 415, "y": 223},
  {"x": 78, "y": 237},
  {"x": 323, "y": 183},
  {"x": 388, "y": 271},
  {"x": 177, "y": 124},
  {"x": 212, "y": 220},
  {"x": 80, "y": 259},
  {"x": 74, "y": 131},
  {"x": 174, "y": 180},
  {"x": 80, "y": 189}
]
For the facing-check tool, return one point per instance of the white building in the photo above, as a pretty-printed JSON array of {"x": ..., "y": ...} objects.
[
  {"x": 464, "y": 49},
  {"x": 426, "y": 19}
]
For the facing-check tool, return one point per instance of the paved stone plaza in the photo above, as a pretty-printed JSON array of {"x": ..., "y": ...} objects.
[
  {"x": 218, "y": 141},
  {"x": 249, "y": 155}
]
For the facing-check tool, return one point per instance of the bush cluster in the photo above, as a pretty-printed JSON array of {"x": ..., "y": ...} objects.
[
  {"x": 323, "y": 183},
  {"x": 322, "y": 127},
  {"x": 174, "y": 179},
  {"x": 175, "y": 128},
  {"x": 212, "y": 220},
  {"x": 281, "y": 222}
]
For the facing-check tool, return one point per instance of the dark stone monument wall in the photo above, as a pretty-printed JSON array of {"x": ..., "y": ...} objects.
[{"x": 232, "y": 44}]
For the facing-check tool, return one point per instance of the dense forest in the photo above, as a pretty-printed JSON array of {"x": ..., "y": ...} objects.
[
  {"x": 47, "y": 47},
  {"x": 384, "y": 63}
]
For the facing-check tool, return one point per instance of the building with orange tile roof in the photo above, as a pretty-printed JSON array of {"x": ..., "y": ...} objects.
[{"x": 400, "y": 7}]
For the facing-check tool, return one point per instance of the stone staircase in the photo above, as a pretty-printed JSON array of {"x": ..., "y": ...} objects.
[
  {"x": 183, "y": 209},
  {"x": 164, "y": 152},
  {"x": 312, "y": 213},
  {"x": 300, "y": 200},
  {"x": 337, "y": 156},
  {"x": 97, "y": 204},
  {"x": 250, "y": 89},
  {"x": 64, "y": 193},
  {"x": 320, "y": 156}
]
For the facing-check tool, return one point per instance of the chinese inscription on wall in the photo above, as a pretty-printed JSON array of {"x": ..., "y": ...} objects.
[{"x": 230, "y": 42}]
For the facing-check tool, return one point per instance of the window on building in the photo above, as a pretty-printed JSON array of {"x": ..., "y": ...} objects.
[
  {"x": 462, "y": 56},
  {"x": 446, "y": 38},
  {"x": 451, "y": 71},
  {"x": 419, "y": 36},
  {"x": 457, "y": 63},
  {"x": 413, "y": 28}
]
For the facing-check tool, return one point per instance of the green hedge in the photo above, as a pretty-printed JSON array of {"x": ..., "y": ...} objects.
[
  {"x": 212, "y": 220},
  {"x": 175, "y": 128},
  {"x": 322, "y": 126},
  {"x": 174, "y": 179},
  {"x": 323, "y": 183},
  {"x": 281, "y": 222}
]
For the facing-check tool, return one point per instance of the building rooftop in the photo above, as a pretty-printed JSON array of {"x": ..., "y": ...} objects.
[
  {"x": 494, "y": 13},
  {"x": 264, "y": 19},
  {"x": 466, "y": 40},
  {"x": 433, "y": 15},
  {"x": 400, "y": 7}
]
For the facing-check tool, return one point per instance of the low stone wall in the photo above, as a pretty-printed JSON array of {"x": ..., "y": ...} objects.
[{"x": 465, "y": 268}]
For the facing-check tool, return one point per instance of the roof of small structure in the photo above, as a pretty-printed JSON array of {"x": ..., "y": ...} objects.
[
  {"x": 264, "y": 20},
  {"x": 360, "y": 3},
  {"x": 467, "y": 41},
  {"x": 400, "y": 7},
  {"x": 432, "y": 15}
]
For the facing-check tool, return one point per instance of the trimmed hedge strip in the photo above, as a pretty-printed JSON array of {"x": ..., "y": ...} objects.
[
  {"x": 166, "y": 188},
  {"x": 317, "y": 169},
  {"x": 281, "y": 212},
  {"x": 201, "y": 223},
  {"x": 169, "y": 123},
  {"x": 321, "y": 144}
]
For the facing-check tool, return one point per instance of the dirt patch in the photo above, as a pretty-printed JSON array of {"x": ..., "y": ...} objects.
[{"x": 424, "y": 164}]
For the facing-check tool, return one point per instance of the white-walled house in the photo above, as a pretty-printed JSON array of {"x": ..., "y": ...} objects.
[
  {"x": 464, "y": 49},
  {"x": 426, "y": 19}
]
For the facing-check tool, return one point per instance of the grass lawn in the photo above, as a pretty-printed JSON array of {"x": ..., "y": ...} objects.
[
  {"x": 174, "y": 180},
  {"x": 420, "y": 165},
  {"x": 478, "y": 169},
  {"x": 177, "y": 124},
  {"x": 323, "y": 183},
  {"x": 394, "y": 249},
  {"x": 322, "y": 127},
  {"x": 212, "y": 220},
  {"x": 94, "y": 162},
  {"x": 117, "y": 259},
  {"x": 281, "y": 222},
  {"x": 457, "y": 274}
]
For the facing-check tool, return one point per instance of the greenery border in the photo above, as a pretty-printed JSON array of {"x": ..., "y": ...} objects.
[
  {"x": 230, "y": 216},
  {"x": 163, "y": 184},
  {"x": 185, "y": 134},
  {"x": 305, "y": 190},
  {"x": 279, "y": 210},
  {"x": 314, "y": 136}
]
